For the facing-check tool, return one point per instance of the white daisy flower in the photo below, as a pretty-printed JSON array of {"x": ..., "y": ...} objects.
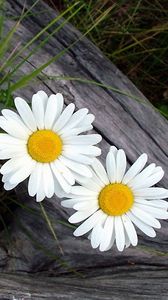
[
  {"x": 45, "y": 143},
  {"x": 114, "y": 201}
]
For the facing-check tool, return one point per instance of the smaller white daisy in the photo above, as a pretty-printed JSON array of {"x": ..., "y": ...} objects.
[
  {"x": 44, "y": 144},
  {"x": 113, "y": 201}
]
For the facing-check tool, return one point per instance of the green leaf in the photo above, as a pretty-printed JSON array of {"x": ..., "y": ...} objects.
[
  {"x": 29, "y": 43},
  {"x": 25, "y": 79}
]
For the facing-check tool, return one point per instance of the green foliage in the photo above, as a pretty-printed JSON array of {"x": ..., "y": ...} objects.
[
  {"x": 6, "y": 98},
  {"x": 134, "y": 36}
]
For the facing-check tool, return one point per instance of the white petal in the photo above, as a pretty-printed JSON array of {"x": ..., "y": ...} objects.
[
  {"x": 6, "y": 177},
  {"x": 87, "y": 150},
  {"x": 119, "y": 232},
  {"x": 60, "y": 104},
  {"x": 76, "y": 167},
  {"x": 79, "y": 216},
  {"x": 114, "y": 150},
  {"x": 38, "y": 109},
  {"x": 148, "y": 230},
  {"x": 91, "y": 184},
  {"x": 63, "y": 183},
  {"x": 8, "y": 186},
  {"x": 155, "y": 212},
  {"x": 68, "y": 203},
  {"x": 120, "y": 165},
  {"x": 145, "y": 217},
  {"x": 107, "y": 233},
  {"x": 14, "y": 128},
  {"x": 34, "y": 180},
  {"x": 64, "y": 117},
  {"x": 71, "y": 202},
  {"x": 151, "y": 193},
  {"x": 76, "y": 118},
  {"x": 25, "y": 113},
  {"x": 51, "y": 112},
  {"x": 153, "y": 179},
  {"x": 10, "y": 140},
  {"x": 89, "y": 139},
  {"x": 100, "y": 171},
  {"x": 23, "y": 172},
  {"x": 96, "y": 179},
  {"x": 48, "y": 181},
  {"x": 142, "y": 176},
  {"x": 13, "y": 164},
  {"x": 10, "y": 114},
  {"x": 111, "y": 242},
  {"x": 80, "y": 178},
  {"x": 71, "y": 132},
  {"x": 155, "y": 203},
  {"x": 87, "y": 121},
  {"x": 83, "y": 159},
  {"x": 135, "y": 168},
  {"x": 111, "y": 166},
  {"x": 58, "y": 189},
  {"x": 13, "y": 152},
  {"x": 89, "y": 223},
  {"x": 96, "y": 235},
  {"x": 127, "y": 240},
  {"x": 68, "y": 175},
  {"x": 131, "y": 232},
  {"x": 82, "y": 191},
  {"x": 97, "y": 232},
  {"x": 85, "y": 205},
  {"x": 40, "y": 194},
  {"x": 44, "y": 98}
]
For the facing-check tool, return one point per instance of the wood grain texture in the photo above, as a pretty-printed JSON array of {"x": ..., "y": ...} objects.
[{"x": 31, "y": 264}]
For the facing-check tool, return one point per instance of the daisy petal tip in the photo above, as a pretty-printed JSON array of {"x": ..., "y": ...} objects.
[
  {"x": 99, "y": 138},
  {"x": 134, "y": 243},
  {"x": 63, "y": 203},
  {"x": 59, "y": 95},
  {"x": 76, "y": 233},
  {"x": 18, "y": 100},
  {"x": 42, "y": 93},
  {"x": 154, "y": 234},
  {"x": 120, "y": 249},
  {"x": 31, "y": 194},
  {"x": 93, "y": 118},
  {"x": 144, "y": 156},
  {"x": 102, "y": 248},
  {"x": 39, "y": 199},
  {"x": 71, "y": 220},
  {"x": 112, "y": 148},
  {"x": 157, "y": 225}
]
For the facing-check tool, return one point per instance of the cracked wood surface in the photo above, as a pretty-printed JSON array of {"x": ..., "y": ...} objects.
[{"x": 31, "y": 264}]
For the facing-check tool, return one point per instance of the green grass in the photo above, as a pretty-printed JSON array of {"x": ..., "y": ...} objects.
[{"x": 134, "y": 36}]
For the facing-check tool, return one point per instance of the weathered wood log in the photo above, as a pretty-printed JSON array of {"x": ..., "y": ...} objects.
[{"x": 31, "y": 264}]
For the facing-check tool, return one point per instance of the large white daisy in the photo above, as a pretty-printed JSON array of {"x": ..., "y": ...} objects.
[
  {"x": 45, "y": 143},
  {"x": 114, "y": 201}
]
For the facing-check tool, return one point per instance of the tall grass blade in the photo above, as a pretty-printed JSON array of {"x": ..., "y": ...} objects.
[
  {"x": 48, "y": 221},
  {"x": 24, "y": 81},
  {"x": 40, "y": 33},
  {"x": 6, "y": 40},
  {"x": 42, "y": 43}
]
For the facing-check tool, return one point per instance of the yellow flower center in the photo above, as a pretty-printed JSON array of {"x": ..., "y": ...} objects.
[
  {"x": 116, "y": 199},
  {"x": 44, "y": 146}
]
